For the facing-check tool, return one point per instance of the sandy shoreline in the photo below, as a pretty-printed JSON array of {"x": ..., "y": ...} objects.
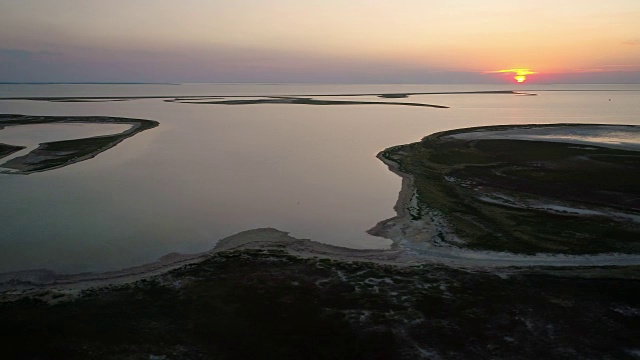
[
  {"x": 20, "y": 283},
  {"x": 402, "y": 225},
  {"x": 23, "y": 282}
]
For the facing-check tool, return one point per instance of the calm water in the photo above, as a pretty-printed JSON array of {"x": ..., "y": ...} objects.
[{"x": 209, "y": 171}]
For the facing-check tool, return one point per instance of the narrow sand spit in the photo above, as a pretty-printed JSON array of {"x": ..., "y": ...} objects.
[
  {"x": 21, "y": 282},
  {"x": 25, "y": 282}
]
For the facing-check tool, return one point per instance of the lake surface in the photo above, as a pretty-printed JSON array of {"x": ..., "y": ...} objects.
[{"x": 210, "y": 171}]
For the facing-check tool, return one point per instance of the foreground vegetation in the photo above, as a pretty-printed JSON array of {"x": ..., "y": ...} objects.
[{"x": 266, "y": 304}]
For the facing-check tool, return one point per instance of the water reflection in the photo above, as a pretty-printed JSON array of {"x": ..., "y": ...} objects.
[{"x": 211, "y": 171}]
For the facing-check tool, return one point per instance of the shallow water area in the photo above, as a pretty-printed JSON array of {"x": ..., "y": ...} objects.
[{"x": 209, "y": 171}]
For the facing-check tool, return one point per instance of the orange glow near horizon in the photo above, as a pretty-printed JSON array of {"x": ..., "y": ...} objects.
[{"x": 520, "y": 78}]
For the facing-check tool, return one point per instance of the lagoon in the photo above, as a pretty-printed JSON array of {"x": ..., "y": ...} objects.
[{"x": 209, "y": 171}]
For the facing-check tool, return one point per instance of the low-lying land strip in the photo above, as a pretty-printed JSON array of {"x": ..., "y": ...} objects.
[
  {"x": 300, "y": 101},
  {"x": 254, "y": 298},
  {"x": 202, "y": 97},
  {"x": 271, "y": 99}
]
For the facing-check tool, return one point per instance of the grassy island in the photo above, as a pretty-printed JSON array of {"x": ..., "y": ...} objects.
[
  {"x": 527, "y": 189},
  {"x": 57, "y": 154}
]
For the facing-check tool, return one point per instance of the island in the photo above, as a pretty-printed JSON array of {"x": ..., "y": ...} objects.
[
  {"x": 296, "y": 100},
  {"x": 57, "y": 154},
  {"x": 312, "y": 99},
  {"x": 525, "y": 189}
]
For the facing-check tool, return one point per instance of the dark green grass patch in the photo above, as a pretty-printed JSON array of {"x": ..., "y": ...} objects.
[
  {"x": 269, "y": 305},
  {"x": 455, "y": 177}
]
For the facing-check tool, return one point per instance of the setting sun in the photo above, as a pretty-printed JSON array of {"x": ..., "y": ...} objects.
[{"x": 520, "y": 74}]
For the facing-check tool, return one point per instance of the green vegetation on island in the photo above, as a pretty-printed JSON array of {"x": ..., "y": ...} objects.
[
  {"x": 268, "y": 304},
  {"x": 525, "y": 196},
  {"x": 57, "y": 154}
]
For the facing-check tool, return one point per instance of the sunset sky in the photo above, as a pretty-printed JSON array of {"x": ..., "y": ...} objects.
[{"x": 370, "y": 41}]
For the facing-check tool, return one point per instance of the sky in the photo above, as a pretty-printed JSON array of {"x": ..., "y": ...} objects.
[{"x": 328, "y": 41}]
